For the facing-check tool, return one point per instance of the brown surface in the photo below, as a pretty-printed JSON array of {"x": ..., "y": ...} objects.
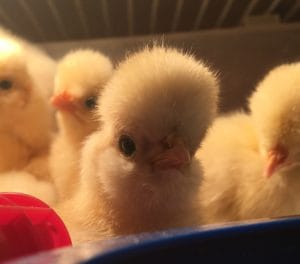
[
  {"x": 50, "y": 20},
  {"x": 242, "y": 56}
]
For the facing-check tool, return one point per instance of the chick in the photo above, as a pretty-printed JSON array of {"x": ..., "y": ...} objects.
[
  {"x": 138, "y": 171},
  {"x": 251, "y": 162},
  {"x": 80, "y": 77},
  {"x": 40, "y": 66},
  {"x": 26, "y": 121},
  {"x": 24, "y": 182}
]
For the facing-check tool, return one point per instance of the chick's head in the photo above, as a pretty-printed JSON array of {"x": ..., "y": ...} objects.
[
  {"x": 155, "y": 110},
  {"x": 275, "y": 110},
  {"x": 15, "y": 82},
  {"x": 79, "y": 79}
]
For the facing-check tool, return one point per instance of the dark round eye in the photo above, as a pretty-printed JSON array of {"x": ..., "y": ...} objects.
[
  {"x": 5, "y": 84},
  {"x": 90, "y": 102},
  {"x": 126, "y": 145}
]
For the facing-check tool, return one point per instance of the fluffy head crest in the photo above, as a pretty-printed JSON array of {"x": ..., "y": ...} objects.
[
  {"x": 12, "y": 58},
  {"x": 82, "y": 68},
  {"x": 275, "y": 107},
  {"x": 158, "y": 90}
]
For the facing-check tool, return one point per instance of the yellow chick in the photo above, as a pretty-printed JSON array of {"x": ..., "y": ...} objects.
[
  {"x": 138, "y": 172},
  {"x": 40, "y": 66},
  {"x": 26, "y": 121},
  {"x": 80, "y": 77},
  {"x": 251, "y": 162}
]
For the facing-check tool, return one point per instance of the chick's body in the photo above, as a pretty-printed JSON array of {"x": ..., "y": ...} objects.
[
  {"x": 138, "y": 173},
  {"x": 251, "y": 161},
  {"x": 27, "y": 123},
  {"x": 24, "y": 182},
  {"x": 80, "y": 78}
]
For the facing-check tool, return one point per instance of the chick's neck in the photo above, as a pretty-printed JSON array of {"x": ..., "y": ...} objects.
[
  {"x": 137, "y": 209},
  {"x": 73, "y": 128}
]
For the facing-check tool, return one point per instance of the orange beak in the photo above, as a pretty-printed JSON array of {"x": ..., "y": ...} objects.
[
  {"x": 64, "y": 101},
  {"x": 174, "y": 157},
  {"x": 275, "y": 159}
]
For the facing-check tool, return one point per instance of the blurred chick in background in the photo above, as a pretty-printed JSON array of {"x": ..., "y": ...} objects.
[
  {"x": 40, "y": 66},
  {"x": 26, "y": 122},
  {"x": 80, "y": 78},
  {"x": 138, "y": 171},
  {"x": 251, "y": 162}
]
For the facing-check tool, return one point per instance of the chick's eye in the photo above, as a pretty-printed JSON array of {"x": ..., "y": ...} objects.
[
  {"x": 90, "y": 102},
  {"x": 5, "y": 84},
  {"x": 126, "y": 145}
]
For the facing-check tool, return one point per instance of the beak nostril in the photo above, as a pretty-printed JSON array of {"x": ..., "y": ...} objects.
[
  {"x": 175, "y": 154},
  {"x": 168, "y": 144},
  {"x": 169, "y": 141}
]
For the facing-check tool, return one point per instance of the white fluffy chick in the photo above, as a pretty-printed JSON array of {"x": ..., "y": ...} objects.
[
  {"x": 251, "y": 162},
  {"x": 26, "y": 122},
  {"x": 80, "y": 78},
  {"x": 24, "y": 182},
  {"x": 40, "y": 66},
  {"x": 138, "y": 171}
]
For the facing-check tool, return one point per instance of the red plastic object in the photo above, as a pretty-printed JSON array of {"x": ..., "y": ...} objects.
[{"x": 27, "y": 226}]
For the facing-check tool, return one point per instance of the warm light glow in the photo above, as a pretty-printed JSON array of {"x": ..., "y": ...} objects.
[{"x": 9, "y": 47}]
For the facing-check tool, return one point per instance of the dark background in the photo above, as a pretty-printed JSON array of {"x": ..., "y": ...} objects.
[
  {"x": 56, "y": 20},
  {"x": 241, "y": 39}
]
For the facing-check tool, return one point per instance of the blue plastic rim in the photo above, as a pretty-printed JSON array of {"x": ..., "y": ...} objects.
[{"x": 261, "y": 242}]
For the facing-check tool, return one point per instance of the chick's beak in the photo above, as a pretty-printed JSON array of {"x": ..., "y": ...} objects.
[
  {"x": 174, "y": 157},
  {"x": 63, "y": 101},
  {"x": 276, "y": 158}
]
